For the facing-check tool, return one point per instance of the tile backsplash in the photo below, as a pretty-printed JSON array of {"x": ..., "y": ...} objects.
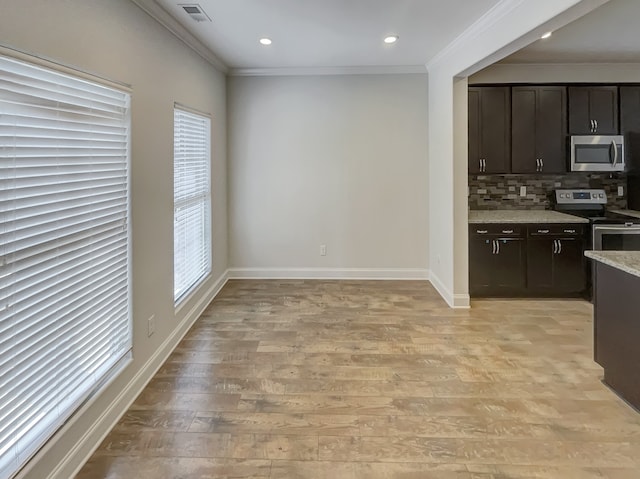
[{"x": 493, "y": 192}]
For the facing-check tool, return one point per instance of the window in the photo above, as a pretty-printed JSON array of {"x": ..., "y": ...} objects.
[
  {"x": 64, "y": 264},
  {"x": 192, "y": 201}
]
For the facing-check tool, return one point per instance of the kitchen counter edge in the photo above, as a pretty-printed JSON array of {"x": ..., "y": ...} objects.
[
  {"x": 627, "y": 261},
  {"x": 522, "y": 216}
]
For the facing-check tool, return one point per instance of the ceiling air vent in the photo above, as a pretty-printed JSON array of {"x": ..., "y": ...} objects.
[{"x": 196, "y": 12}]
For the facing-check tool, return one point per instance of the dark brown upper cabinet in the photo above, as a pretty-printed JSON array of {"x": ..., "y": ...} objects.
[
  {"x": 489, "y": 129},
  {"x": 593, "y": 110},
  {"x": 630, "y": 125},
  {"x": 539, "y": 129}
]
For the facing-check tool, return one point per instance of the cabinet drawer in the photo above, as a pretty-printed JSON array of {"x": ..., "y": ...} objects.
[
  {"x": 556, "y": 230},
  {"x": 493, "y": 229}
]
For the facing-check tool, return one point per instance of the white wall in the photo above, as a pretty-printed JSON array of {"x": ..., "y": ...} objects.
[
  {"x": 558, "y": 73},
  {"x": 335, "y": 160},
  {"x": 115, "y": 39}
]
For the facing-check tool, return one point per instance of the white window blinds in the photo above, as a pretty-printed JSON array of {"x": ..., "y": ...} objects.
[
  {"x": 64, "y": 273},
  {"x": 192, "y": 201}
]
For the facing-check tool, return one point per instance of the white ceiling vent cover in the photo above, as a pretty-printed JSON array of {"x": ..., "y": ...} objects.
[{"x": 196, "y": 12}]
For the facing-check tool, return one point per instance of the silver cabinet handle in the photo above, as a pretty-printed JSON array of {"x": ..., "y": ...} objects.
[
  {"x": 591, "y": 129},
  {"x": 484, "y": 165},
  {"x": 507, "y": 232},
  {"x": 541, "y": 164},
  {"x": 543, "y": 231},
  {"x": 555, "y": 246},
  {"x": 481, "y": 232},
  {"x": 537, "y": 164},
  {"x": 596, "y": 129},
  {"x": 493, "y": 245},
  {"x": 559, "y": 247},
  {"x": 615, "y": 153},
  {"x": 569, "y": 231},
  {"x": 498, "y": 246}
]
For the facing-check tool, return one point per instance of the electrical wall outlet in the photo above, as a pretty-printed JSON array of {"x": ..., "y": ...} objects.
[
  {"x": 620, "y": 191},
  {"x": 323, "y": 250},
  {"x": 151, "y": 325},
  {"x": 523, "y": 191}
]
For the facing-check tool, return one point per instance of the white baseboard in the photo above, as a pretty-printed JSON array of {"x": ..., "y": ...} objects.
[
  {"x": 75, "y": 459},
  {"x": 330, "y": 273},
  {"x": 453, "y": 300}
]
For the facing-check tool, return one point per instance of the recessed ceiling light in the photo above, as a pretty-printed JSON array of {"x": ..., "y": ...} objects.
[
  {"x": 265, "y": 41},
  {"x": 546, "y": 35},
  {"x": 391, "y": 39}
]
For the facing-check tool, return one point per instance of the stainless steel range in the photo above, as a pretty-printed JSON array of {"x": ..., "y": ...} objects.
[{"x": 610, "y": 230}]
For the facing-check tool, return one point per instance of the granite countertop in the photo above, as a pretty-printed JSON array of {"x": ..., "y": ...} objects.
[
  {"x": 627, "y": 261},
  {"x": 522, "y": 216},
  {"x": 632, "y": 213}
]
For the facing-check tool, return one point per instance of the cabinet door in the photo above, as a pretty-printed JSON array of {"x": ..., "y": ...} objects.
[
  {"x": 539, "y": 129},
  {"x": 523, "y": 130},
  {"x": 630, "y": 125},
  {"x": 481, "y": 254},
  {"x": 474, "y": 130},
  {"x": 579, "y": 117},
  {"x": 593, "y": 110},
  {"x": 540, "y": 263},
  {"x": 489, "y": 129},
  {"x": 509, "y": 266},
  {"x": 495, "y": 132},
  {"x": 603, "y": 105},
  {"x": 551, "y": 129},
  {"x": 569, "y": 266}
]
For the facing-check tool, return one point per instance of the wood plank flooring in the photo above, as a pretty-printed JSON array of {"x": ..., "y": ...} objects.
[{"x": 376, "y": 380}]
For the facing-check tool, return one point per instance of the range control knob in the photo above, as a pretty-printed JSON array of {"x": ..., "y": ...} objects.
[
  {"x": 600, "y": 195},
  {"x": 594, "y": 195}
]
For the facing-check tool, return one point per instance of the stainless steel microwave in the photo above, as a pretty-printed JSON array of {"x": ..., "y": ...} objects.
[{"x": 597, "y": 153}]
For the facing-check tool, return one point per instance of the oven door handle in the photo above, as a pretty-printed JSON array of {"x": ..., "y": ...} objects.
[{"x": 617, "y": 228}]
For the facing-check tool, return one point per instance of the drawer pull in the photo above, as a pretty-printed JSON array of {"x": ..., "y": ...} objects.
[
  {"x": 481, "y": 232},
  {"x": 569, "y": 231},
  {"x": 543, "y": 231},
  {"x": 507, "y": 232}
]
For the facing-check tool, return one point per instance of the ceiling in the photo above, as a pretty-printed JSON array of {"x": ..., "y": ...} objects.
[
  {"x": 608, "y": 34},
  {"x": 327, "y": 33}
]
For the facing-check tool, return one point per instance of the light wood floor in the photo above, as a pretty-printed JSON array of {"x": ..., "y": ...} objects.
[{"x": 356, "y": 379}]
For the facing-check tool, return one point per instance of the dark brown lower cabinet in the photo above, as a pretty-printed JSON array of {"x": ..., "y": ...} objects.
[
  {"x": 617, "y": 330},
  {"x": 526, "y": 260},
  {"x": 496, "y": 260},
  {"x": 555, "y": 260}
]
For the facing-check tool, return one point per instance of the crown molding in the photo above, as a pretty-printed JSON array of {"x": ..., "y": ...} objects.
[
  {"x": 159, "y": 14},
  {"x": 314, "y": 71},
  {"x": 484, "y": 23},
  {"x": 556, "y": 64}
]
